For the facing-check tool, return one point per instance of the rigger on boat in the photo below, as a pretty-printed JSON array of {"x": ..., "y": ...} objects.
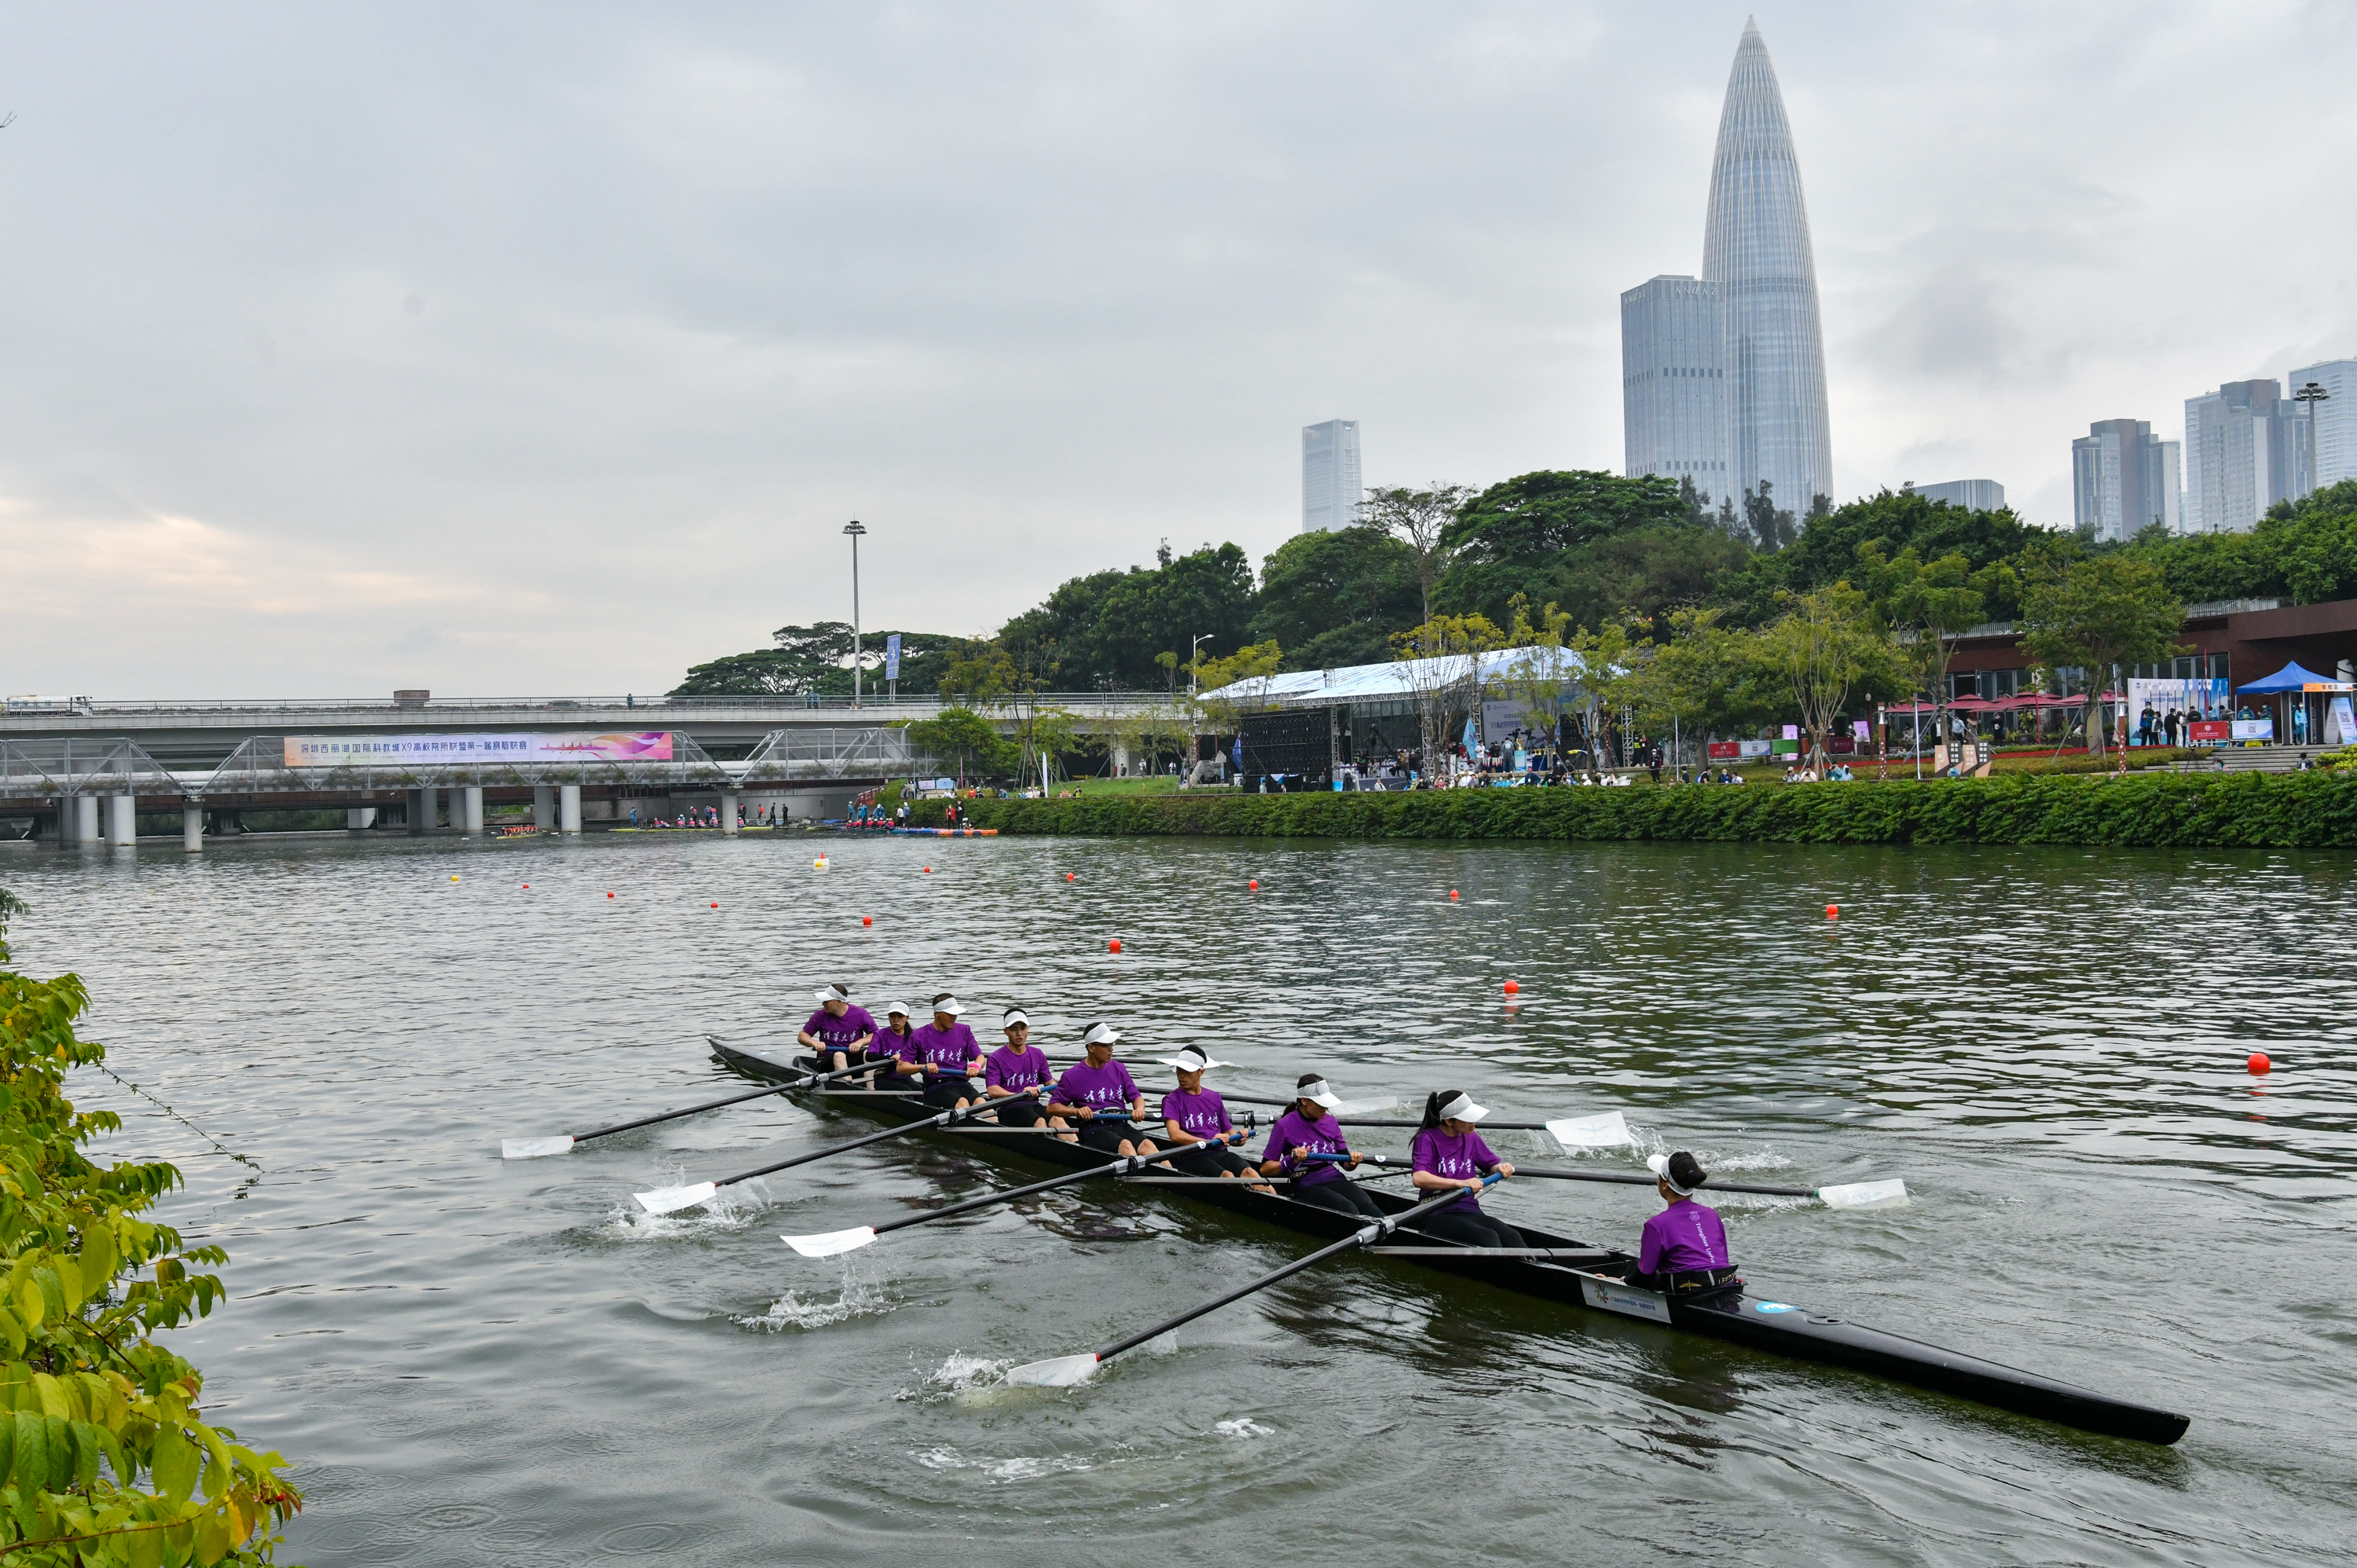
[{"x": 1688, "y": 1287}]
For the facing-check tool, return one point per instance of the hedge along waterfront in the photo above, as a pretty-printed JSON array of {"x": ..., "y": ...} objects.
[{"x": 2281, "y": 810}]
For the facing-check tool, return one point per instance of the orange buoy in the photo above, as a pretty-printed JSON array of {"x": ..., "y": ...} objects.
[
  {"x": 2259, "y": 1063},
  {"x": 1513, "y": 988},
  {"x": 1113, "y": 946},
  {"x": 1832, "y": 911},
  {"x": 863, "y": 919}
]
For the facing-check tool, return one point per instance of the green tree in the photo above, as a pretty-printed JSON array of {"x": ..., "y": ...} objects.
[
  {"x": 1424, "y": 521},
  {"x": 1928, "y": 605},
  {"x": 1513, "y": 538},
  {"x": 1444, "y": 672},
  {"x": 1333, "y": 598},
  {"x": 2106, "y": 611},
  {"x": 1827, "y": 644},
  {"x": 107, "y": 1457},
  {"x": 1712, "y": 678},
  {"x": 964, "y": 739}
]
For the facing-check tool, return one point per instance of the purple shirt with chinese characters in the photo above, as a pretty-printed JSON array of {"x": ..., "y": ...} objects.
[
  {"x": 1458, "y": 1159},
  {"x": 1106, "y": 1088},
  {"x": 1683, "y": 1236},
  {"x": 899, "y": 1048},
  {"x": 836, "y": 1034},
  {"x": 1204, "y": 1114},
  {"x": 948, "y": 1051},
  {"x": 1007, "y": 1070},
  {"x": 1323, "y": 1136}
]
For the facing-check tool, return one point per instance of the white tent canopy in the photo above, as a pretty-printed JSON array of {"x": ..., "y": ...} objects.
[{"x": 1393, "y": 682}]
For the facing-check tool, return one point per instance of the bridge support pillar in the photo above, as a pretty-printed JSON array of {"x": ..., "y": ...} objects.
[
  {"x": 122, "y": 818},
  {"x": 474, "y": 810},
  {"x": 568, "y": 808},
  {"x": 192, "y": 825},
  {"x": 358, "y": 817},
  {"x": 424, "y": 810},
  {"x": 728, "y": 811},
  {"x": 544, "y": 809},
  {"x": 85, "y": 818}
]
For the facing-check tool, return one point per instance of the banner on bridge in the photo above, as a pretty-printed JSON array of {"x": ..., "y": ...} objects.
[{"x": 444, "y": 750}]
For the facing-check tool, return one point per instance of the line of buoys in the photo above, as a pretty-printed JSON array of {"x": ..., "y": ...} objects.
[
  {"x": 1113, "y": 946},
  {"x": 2259, "y": 1063}
]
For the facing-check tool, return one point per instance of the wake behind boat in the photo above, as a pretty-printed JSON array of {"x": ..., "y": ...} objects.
[{"x": 1554, "y": 1268}]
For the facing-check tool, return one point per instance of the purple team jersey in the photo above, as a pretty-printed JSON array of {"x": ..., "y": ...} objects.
[
  {"x": 947, "y": 1050},
  {"x": 1106, "y": 1088},
  {"x": 1323, "y": 1136},
  {"x": 901, "y": 1047},
  {"x": 1458, "y": 1159},
  {"x": 836, "y": 1034},
  {"x": 1683, "y": 1236},
  {"x": 1005, "y": 1070},
  {"x": 1204, "y": 1114}
]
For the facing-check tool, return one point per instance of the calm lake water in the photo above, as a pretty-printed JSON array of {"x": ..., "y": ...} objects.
[{"x": 474, "y": 1362}]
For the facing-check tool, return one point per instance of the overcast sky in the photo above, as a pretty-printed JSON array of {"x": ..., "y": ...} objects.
[{"x": 527, "y": 349}]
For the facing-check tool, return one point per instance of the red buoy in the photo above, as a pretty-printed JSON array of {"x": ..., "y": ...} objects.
[
  {"x": 2259, "y": 1063},
  {"x": 1254, "y": 885},
  {"x": 1832, "y": 911},
  {"x": 527, "y": 887},
  {"x": 929, "y": 871},
  {"x": 1513, "y": 988},
  {"x": 1068, "y": 876},
  {"x": 715, "y": 904},
  {"x": 1113, "y": 946},
  {"x": 863, "y": 919},
  {"x": 610, "y": 894},
  {"x": 1452, "y": 894}
]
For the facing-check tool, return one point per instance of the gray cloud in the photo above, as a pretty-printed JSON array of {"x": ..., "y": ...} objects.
[{"x": 549, "y": 348}]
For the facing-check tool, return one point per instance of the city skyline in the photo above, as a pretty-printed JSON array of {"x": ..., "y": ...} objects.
[{"x": 573, "y": 381}]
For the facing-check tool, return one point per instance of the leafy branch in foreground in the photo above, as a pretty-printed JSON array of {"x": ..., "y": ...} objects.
[{"x": 104, "y": 1456}]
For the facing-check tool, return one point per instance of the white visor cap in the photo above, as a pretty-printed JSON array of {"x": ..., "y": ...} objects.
[
  {"x": 834, "y": 993},
  {"x": 1659, "y": 1166},
  {"x": 1191, "y": 1060},
  {"x": 1321, "y": 1093},
  {"x": 1462, "y": 1109},
  {"x": 1099, "y": 1034},
  {"x": 950, "y": 1005},
  {"x": 896, "y": 1009},
  {"x": 1014, "y": 1015}
]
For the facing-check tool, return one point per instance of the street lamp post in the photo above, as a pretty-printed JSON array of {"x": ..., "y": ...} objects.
[
  {"x": 1194, "y": 643},
  {"x": 855, "y": 527},
  {"x": 2311, "y": 394}
]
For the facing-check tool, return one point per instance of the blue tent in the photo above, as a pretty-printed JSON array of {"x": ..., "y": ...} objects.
[{"x": 2292, "y": 677}]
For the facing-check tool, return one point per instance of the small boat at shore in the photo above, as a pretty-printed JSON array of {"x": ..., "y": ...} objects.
[{"x": 1561, "y": 1269}]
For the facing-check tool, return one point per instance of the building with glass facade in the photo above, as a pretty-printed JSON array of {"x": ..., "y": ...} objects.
[
  {"x": 2124, "y": 479},
  {"x": 1674, "y": 381},
  {"x": 1330, "y": 474},
  {"x": 2334, "y": 420},
  {"x": 2245, "y": 450},
  {"x": 1756, "y": 249},
  {"x": 1978, "y": 495}
]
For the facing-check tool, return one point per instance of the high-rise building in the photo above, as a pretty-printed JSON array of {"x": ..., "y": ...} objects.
[
  {"x": 2123, "y": 479},
  {"x": 2334, "y": 420},
  {"x": 1330, "y": 474},
  {"x": 1756, "y": 248},
  {"x": 1674, "y": 381},
  {"x": 2245, "y": 450},
  {"x": 1979, "y": 495}
]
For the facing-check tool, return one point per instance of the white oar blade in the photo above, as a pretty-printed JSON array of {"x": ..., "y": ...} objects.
[
  {"x": 1367, "y": 1107},
  {"x": 1061, "y": 1374},
  {"x": 832, "y": 1242},
  {"x": 1606, "y": 1132},
  {"x": 671, "y": 1200},
  {"x": 533, "y": 1148},
  {"x": 1865, "y": 1195}
]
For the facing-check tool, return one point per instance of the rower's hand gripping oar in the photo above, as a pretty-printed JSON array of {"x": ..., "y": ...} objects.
[
  {"x": 828, "y": 1243},
  {"x": 671, "y": 1200},
  {"x": 537, "y": 1148},
  {"x": 1063, "y": 1371}
]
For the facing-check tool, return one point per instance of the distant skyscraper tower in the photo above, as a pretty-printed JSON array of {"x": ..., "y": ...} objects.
[
  {"x": 1756, "y": 249},
  {"x": 1330, "y": 474},
  {"x": 2123, "y": 478},
  {"x": 1674, "y": 381}
]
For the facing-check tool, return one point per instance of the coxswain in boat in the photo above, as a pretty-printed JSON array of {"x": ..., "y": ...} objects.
[
  {"x": 1308, "y": 1129},
  {"x": 947, "y": 1055},
  {"x": 1450, "y": 1153},
  {"x": 1015, "y": 1075},
  {"x": 1097, "y": 1095},
  {"x": 1193, "y": 1114},
  {"x": 895, "y": 1042},
  {"x": 838, "y": 1032},
  {"x": 1683, "y": 1248}
]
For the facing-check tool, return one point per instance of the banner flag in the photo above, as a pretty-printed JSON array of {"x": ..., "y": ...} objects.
[
  {"x": 430, "y": 750},
  {"x": 892, "y": 657}
]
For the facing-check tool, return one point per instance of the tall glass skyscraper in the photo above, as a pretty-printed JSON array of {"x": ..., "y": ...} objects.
[
  {"x": 1756, "y": 249},
  {"x": 1674, "y": 381},
  {"x": 1329, "y": 476}
]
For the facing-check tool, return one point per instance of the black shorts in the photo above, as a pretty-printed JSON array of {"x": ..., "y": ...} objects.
[
  {"x": 1684, "y": 1281},
  {"x": 1020, "y": 1111},
  {"x": 886, "y": 1079},
  {"x": 1344, "y": 1197},
  {"x": 945, "y": 1091},
  {"x": 1472, "y": 1228},
  {"x": 1107, "y": 1137},
  {"x": 1210, "y": 1160}
]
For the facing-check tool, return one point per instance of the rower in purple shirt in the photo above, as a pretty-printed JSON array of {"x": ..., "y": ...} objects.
[
  {"x": 1098, "y": 1093},
  {"x": 895, "y": 1042},
  {"x": 946, "y": 1055},
  {"x": 1309, "y": 1128},
  {"x": 838, "y": 1032},
  {"x": 1193, "y": 1114},
  {"x": 1684, "y": 1246},
  {"x": 1015, "y": 1075},
  {"x": 1450, "y": 1153}
]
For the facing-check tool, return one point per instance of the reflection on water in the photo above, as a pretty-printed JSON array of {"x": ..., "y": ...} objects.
[{"x": 485, "y": 1362}]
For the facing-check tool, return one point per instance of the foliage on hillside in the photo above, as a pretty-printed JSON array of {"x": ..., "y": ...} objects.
[{"x": 105, "y": 1453}]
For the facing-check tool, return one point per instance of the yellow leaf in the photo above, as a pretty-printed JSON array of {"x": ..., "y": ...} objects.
[
  {"x": 29, "y": 1305},
  {"x": 212, "y": 1539},
  {"x": 70, "y": 1280},
  {"x": 52, "y": 1397}
]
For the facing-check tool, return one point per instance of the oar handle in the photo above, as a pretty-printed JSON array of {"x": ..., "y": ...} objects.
[
  {"x": 1121, "y": 1166},
  {"x": 802, "y": 1080},
  {"x": 1374, "y": 1230},
  {"x": 1629, "y": 1179}
]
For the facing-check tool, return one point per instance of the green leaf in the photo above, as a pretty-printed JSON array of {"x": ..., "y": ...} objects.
[
  {"x": 174, "y": 1464},
  {"x": 30, "y": 1464},
  {"x": 99, "y": 1258},
  {"x": 58, "y": 1435}
]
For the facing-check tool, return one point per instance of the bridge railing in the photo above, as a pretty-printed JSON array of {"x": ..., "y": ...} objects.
[
  {"x": 38, "y": 768},
  {"x": 876, "y": 703}
]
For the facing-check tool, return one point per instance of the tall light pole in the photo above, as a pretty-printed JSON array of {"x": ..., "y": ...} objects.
[
  {"x": 855, "y": 527},
  {"x": 1194, "y": 643},
  {"x": 2311, "y": 394}
]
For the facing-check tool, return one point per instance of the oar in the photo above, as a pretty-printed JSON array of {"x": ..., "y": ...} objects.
[
  {"x": 1063, "y": 1371},
  {"x": 1854, "y": 1194},
  {"x": 669, "y": 1199},
  {"x": 535, "y": 1148},
  {"x": 1348, "y": 1107},
  {"x": 828, "y": 1244}
]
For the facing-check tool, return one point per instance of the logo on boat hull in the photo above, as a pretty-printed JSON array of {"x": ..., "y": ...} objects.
[
  {"x": 1611, "y": 1296},
  {"x": 1772, "y": 1306}
]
